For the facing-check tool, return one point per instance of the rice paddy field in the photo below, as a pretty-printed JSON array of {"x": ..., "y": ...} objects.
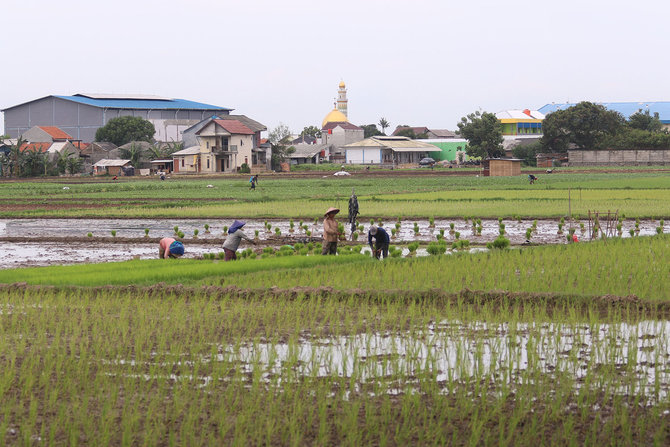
[
  {"x": 563, "y": 344},
  {"x": 636, "y": 193}
]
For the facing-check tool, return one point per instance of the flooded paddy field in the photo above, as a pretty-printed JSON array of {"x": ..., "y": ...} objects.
[{"x": 38, "y": 242}]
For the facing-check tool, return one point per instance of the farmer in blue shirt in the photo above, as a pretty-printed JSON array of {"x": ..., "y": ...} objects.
[{"x": 382, "y": 241}]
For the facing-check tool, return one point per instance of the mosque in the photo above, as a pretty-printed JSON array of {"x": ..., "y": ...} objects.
[{"x": 336, "y": 130}]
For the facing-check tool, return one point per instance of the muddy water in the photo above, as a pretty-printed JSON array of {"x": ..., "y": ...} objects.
[
  {"x": 637, "y": 355},
  {"x": 31, "y": 254},
  {"x": 547, "y": 230},
  {"x": 20, "y": 254}
]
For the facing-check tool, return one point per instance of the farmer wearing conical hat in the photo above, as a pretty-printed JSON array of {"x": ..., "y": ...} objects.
[
  {"x": 170, "y": 248},
  {"x": 232, "y": 242},
  {"x": 330, "y": 232}
]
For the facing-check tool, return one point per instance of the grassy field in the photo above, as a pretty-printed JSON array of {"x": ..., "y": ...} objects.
[
  {"x": 380, "y": 356},
  {"x": 556, "y": 345},
  {"x": 636, "y": 194}
]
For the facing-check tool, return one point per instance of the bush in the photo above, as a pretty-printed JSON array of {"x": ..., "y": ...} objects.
[{"x": 245, "y": 169}]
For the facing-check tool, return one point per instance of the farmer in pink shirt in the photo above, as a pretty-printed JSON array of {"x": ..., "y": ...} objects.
[{"x": 168, "y": 247}]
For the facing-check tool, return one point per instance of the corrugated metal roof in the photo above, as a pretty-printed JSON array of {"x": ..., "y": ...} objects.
[
  {"x": 115, "y": 103},
  {"x": 520, "y": 115},
  {"x": 193, "y": 150},
  {"x": 396, "y": 144},
  {"x": 108, "y": 162},
  {"x": 307, "y": 150},
  {"x": 625, "y": 108}
]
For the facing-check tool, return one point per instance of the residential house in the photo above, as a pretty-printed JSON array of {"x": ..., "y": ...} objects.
[
  {"x": 521, "y": 122},
  {"x": 393, "y": 151},
  {"x": 53, "y": 149},
  {"x": 260, "y": 156},
  {"x": 308, "y": 153},
  {"x": 112, "y": 167},
  {"x": 422, "y": 132},
  {"x": 96, "y": 151}
]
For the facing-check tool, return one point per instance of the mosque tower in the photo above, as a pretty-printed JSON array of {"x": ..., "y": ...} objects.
[{"x": 342, "y": 99}]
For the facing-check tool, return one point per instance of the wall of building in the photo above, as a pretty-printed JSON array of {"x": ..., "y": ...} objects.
[
  {"x": 500, "y": 168},
  {"x": 619, "y": 157},
  {"x": 364, "y": 156},
  {"x": 81, "y": 120},
  {"x": 447, "y": 150}
]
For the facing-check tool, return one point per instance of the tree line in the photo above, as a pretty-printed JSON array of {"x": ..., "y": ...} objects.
[{"x": 583, "y": 126}]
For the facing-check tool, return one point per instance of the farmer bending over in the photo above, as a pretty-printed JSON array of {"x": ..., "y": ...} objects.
[
  {"x": 381, "y": 242},
  {"x": 235, "y": 236},
  {"x": 170, "y": 248}
]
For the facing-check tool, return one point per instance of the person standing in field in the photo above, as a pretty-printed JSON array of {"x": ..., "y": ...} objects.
[
  {"x": 382, "y": 241},
  {"x": 168, "y": 247},
  {"x": 252, "y": 180},
  {"x": 232, "y": 242},
  {"x": 330, "y": 232}
]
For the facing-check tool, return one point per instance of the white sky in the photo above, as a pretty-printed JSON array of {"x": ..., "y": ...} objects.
[{"x": 418, "y": 62}]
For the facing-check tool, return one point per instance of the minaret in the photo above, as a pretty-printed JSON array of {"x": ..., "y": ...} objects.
[{"x": 342, "y": 99}]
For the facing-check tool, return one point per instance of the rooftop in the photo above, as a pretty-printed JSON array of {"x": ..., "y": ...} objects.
[{"x": 110, "y": 101}]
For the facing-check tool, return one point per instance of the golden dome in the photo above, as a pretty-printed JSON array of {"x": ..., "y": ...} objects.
[
  {"x": 342, "y": 84},
  {"x": 335, "y": 116}
]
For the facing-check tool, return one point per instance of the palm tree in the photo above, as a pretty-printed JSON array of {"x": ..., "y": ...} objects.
[
  {"x": 383, "y": 124},
  {"x": 133, "y": 153},
  {"x": 15, "y": 157},
  {"x": 62, "y": 160}
]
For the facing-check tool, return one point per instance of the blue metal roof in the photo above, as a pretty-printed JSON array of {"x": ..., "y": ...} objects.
[
  {"x": 625, "y": 108},
  {"x": 181, "y": 104}
]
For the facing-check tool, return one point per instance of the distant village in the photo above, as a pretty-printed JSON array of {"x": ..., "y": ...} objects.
[{"x": 192, "y": 137}]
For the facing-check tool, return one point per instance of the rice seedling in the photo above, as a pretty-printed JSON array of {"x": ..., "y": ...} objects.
[
  {"x": 412, "y": 247},
  {"x": 180, "y": 235},
  {"x": 90, "y": 234},
  {"x": 291, "y": 226},
  {"x": 277, "y": 231},
  {"x": 501, "y": 243},
  {"x": 256, "y": 233},
  {"x": 176, "y": 229},
  {"x": 431, "y": 221},
  {"x": 354, "y": 236},
  {"x": 457, "y": 235},
  {"x": 113, "y": 233},
  {"x": 207, "y": 228},
  {"x": 146, "y": 232},
  {"x": 529, "y": 233},
  {"x": 195, "y": 233},
  {"x": 435, "y": 248}
]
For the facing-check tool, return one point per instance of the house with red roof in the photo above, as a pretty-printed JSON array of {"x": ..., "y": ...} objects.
[
  {"x": 223, "y": 145},
  {"x": 53, "y": 149},
  {"x": 41, "y": 134}
]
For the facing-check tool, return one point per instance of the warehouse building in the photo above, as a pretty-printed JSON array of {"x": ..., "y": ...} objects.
[{"x": 82, "y": 115}]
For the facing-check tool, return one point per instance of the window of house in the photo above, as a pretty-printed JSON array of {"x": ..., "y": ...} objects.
[
  {"x": 208, "y": 163},
  {"x": 182, "y": 162},
  {"x": 241, "y": 142}
]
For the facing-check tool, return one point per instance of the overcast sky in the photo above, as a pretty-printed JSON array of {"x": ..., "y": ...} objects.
[{"x": 418, "y": 62}]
